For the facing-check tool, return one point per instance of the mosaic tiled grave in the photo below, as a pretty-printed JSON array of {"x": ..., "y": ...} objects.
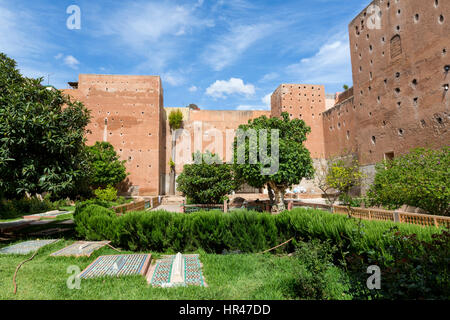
[
  {"x": 80, "y": 248},
  {"x": 118, "y": 265},
  {"x": 177, "y": 270},
  {"x": 26, "y": 247}
]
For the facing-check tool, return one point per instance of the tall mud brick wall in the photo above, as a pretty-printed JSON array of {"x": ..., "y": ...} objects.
[{"x": 127, "y": 111}]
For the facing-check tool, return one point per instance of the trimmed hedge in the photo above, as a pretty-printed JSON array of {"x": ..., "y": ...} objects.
[{"x": 246, "y": 231}]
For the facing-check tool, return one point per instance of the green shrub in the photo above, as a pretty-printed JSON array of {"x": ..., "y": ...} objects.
[
  {"x": 420, "y": 179},
  {"x": 410, "y": 268},
  {"x": 26, "y": 206},
  {"x": 106, "y": 166},
  {"x": 319, "y": 278},
  {"x": 207, "y": 182},
  {"x": 107, "y": 194},
  {"x": 95, "y": 222},
  {"x": 246, "y": 231}
]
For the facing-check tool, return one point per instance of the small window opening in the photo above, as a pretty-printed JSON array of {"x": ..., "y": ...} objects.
[{"x": 389, "y": 156}]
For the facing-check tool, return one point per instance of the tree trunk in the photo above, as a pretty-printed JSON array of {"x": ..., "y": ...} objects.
[
  {"x": 271, "y": 196},
  {"x": 279, "y": 198}
]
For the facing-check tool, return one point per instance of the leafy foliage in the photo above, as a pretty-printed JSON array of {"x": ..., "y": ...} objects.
[
  {"x": 19, "y": 207},
  {"x": 107, "y": 194},
  {"x": 207, "y": 182},
  {"x": 343, "y": 176},
  {"x": 336, "y": 177},
  {"x": 41, "y": 137},
  {"x": 175, "y": 119},
  {"x": 320, "y": 278},
  {"x": 420, "y": 179},
  {"x": 247, "y": 231},
  {"x": 411, "y": 267},
  {"x": 107, "y": 169},
  {"x": 295, "y": 161}
]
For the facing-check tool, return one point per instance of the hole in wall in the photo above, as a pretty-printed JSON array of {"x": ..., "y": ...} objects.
[
  {"x": 400, "y": 132},
  {"x": 416, "y": 18},
  {"x": 374, "y": 140},
  {"x": 389, "y": 156},
  {"x": 441, "y": 19}
]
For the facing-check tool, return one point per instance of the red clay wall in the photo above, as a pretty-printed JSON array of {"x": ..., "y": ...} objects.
[
  {"x": 207, "y": 120},
  {"x": 398, "y": 76},
  {"x": 340, "y": 129},
  {"x": 132, "y": 106},
  {"x": 306, "y": 102}
]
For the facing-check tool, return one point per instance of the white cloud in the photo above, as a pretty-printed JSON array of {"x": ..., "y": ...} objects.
[
  {"x": 193, "y": 89},
  {"x": 156, "y": 30},
  {"x": 71, "y": 61},
  {"x": 173, "y": 78},
  {"x": 269, "y": 77},
  {"x": 265, "y": 106},
  {"x": 59, "y": 56},
  {"x": 229, "y": 47},
  {"x": 222, "y": 88},
  {"x": 330, "y": 65},
  {"x": 16, "y": 40},
  {"x": 152, "y": 21},
  {"x": 267, "y": 99}
]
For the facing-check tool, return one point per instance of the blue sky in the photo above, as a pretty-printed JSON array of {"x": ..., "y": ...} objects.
[{"x": 218, "y": 54}]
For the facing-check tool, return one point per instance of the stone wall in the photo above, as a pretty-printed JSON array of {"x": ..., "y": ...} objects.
[
  {"x": 127, "y": 111},
  {"x": 398, "y": 67},
  {"x": 306, "y": 102}
]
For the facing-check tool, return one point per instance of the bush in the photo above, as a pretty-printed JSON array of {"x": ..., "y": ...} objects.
[
  {"x": 10, "y": 209},
  {"x": 107, "y": 168},
  {"x": 319, "y": 278},
  {"x": 96, "y": 221},
  {"x": 108, "y": 194},
  {"x": 420, "y": 179},
  {"x": 246, "y": 231},
  {"x": 207, "y": 182},
  {"x": 410, "y": 268}
]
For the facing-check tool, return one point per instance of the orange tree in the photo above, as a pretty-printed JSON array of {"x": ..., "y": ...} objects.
[{"x": 286, "y": 149}]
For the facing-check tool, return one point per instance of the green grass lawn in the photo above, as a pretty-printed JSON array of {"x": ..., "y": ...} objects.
[{"x": 243, "y": 276}]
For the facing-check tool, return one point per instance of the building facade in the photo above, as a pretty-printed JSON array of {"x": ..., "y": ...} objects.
[{"x": 399, "y": 101}]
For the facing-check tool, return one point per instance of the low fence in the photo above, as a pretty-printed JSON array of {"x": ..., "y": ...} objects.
[
  {"x": 136, "y": 206},
  {"x": 425, "y": 220}
]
